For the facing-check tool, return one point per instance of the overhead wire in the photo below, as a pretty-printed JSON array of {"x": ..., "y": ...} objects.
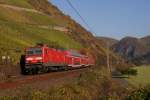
[{"x": 81, "y": 17}]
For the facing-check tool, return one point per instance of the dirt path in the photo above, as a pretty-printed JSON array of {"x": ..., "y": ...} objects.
[
  {"x": 121, "y": 81},
  {"x": 20, "y": 8}
]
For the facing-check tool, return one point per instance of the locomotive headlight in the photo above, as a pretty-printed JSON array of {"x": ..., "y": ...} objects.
[
  {"x": 29, "y": 59},
  {"x": 38, "y": 58}
]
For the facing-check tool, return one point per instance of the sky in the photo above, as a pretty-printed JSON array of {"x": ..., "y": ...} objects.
[{"x": 111, "y": 18}]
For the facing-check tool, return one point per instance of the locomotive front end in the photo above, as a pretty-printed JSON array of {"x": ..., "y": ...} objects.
[{"x": 33, "y": 60}]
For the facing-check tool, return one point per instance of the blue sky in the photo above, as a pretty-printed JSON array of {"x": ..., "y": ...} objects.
[{"x": 111, "y": 18}]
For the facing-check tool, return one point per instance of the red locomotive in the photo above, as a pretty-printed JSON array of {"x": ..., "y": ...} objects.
[{"x": 42, "y": 58}]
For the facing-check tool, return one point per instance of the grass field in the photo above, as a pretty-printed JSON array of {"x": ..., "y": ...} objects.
[{"x": 142, "y": 78}]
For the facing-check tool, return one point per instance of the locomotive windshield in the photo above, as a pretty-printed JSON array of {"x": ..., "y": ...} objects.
[{"x": 34, "y": 51}]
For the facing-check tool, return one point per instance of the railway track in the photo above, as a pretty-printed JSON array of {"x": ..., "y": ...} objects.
[{"x": 31, "y": 79}]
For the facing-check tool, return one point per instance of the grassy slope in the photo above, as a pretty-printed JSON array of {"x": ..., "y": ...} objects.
[
  {"x": 11, "y": 15},
  {"x": 19, "y": 29},
  {"x": 143, "y": 77}
]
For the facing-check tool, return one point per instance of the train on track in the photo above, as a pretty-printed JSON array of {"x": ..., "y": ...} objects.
[{"x": 42, "y": 58}]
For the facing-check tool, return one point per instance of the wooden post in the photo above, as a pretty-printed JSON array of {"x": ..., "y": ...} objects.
[{"x": 108, "y": 60}]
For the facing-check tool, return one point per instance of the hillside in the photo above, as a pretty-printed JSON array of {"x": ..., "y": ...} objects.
[
  {"x": 133, "y": 49},
  {"x": 24, "y": 23}
]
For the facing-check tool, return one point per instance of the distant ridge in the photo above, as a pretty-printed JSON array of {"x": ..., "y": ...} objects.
[
  {"x": 108, "y": 40},
  {"x": 133, "y": 49}
]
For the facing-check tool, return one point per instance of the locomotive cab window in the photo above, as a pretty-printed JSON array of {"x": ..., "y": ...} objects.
[
  {"x": 38, "y": 51},
  {"x": 30, "y": 52},
  {"x": 34, "y": 51}
]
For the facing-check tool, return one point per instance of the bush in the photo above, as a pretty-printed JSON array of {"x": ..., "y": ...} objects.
[
  {"x": 140, "y": 94},
  {"x": 129, "y": 72},
  {"x": 126, "y": 69}
]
